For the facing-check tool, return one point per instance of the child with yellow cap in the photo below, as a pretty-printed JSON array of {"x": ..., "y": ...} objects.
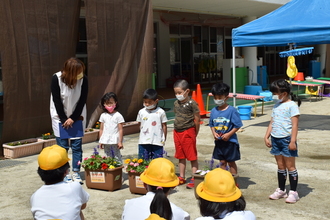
[
  {"x": 159, "y": 178},
  {"x": 220, "y": 198},
  {"x": 57, "y": 199}
]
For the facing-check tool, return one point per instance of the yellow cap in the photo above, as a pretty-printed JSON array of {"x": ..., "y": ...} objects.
[
  {"x": 154, "y": 217},
  {"x": 52, "y": 157},
  {"x": 218, "y": 186},
  {"x": 160, "y": 172}
]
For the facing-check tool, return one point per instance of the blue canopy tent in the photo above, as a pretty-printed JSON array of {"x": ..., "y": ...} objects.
[{"x": 299, "y": 22}]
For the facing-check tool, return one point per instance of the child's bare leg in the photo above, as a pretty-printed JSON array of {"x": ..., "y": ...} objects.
[
  {"x": 182, "y": 167},
  {"x": 194, "y": 166},
  {"x": 233, "y": 167},
  {"x": 223, "y": 164}
]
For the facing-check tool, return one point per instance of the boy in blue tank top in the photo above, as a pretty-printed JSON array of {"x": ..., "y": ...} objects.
[{"x": 224, "y": 123}]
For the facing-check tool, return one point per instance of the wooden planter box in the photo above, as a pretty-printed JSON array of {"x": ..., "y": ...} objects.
[
  {"x": 34, "y": 146},
  {"x": 90, "y": 136},
  {"x": 131, "y": 127},
  {"x": 198, "y": 179},
  {"x": 104, "y": 179},
  {"x": 48, "y": 142},
  {"x": 135, "y": 183}
]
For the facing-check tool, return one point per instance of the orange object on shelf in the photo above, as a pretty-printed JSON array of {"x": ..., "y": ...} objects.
[
  {"x": 299, "y": 77},
  {"x": 194, "y": 96},
  {"x": 200, "y": 101}
]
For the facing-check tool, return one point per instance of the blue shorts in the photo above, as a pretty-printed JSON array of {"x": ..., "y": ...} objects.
[
  {"x": 225, "y": 150},
  {"x": 150, "y": 151},
  {"x": 280, "y": 146}
]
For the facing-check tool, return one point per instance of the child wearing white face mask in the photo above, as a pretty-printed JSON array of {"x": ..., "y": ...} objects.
[
  {"x": 224, "y": 123},
  {"x": 153, "y": 128},
  {"x": 111, "y": 127},
  {"x": 186, "y": 128},
  {"x": 283, "y": 130}
]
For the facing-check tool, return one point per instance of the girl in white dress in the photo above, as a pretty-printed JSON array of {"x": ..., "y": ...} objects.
[{"x": 111, "y": 128}]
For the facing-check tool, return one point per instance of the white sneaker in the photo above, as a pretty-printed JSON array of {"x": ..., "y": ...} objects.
[
  {"x": 293, "y": 197},
  {"x": 68, "y": 178},
  {"x": 76, "y": 178},
  {"x": 278, "y": 194}
]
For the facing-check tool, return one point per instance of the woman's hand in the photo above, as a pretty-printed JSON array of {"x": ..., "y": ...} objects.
[{"x": 68, "y": 123}]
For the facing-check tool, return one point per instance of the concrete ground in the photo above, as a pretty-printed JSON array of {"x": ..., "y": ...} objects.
[{"x": 257, "y": 170}]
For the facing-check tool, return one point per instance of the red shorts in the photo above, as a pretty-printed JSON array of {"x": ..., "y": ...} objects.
[{"x": 185, "y": 144}]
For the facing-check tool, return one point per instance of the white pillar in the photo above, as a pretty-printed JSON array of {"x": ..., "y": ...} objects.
[{"x": 250, "y": 56}]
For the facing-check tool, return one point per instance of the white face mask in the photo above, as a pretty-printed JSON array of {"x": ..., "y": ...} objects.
[
  {"x": 276, "y": 99},
  {"x": 219, "y": 102},
  {"x": 150, "y": 106},
  {"x": 181, "y": 97}
]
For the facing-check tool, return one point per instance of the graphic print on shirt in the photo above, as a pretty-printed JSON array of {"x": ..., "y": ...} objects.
[{"x": 221, "y": 125}]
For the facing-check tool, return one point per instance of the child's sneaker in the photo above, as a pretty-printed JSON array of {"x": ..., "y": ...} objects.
[
  {"x": 191, "y": 184},
  {"x": 181, "y": 180},
  {"x": 278, "y": 194},
  {"x": 293, "y": 197},
  {"x": 76, "y": 178},
  {"x": 68, "y": 178}
]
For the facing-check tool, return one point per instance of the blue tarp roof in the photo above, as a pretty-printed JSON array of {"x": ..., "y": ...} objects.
[{"x": 303, "y": 22}]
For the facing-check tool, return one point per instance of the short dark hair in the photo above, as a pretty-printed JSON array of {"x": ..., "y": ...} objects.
[
  {"x": 53, "y": 176},
  {"x": 220, "y": 89},
  {"x": 160, "y": 204},
  {"x": 181, "y": 83},
  {"x": 107, "y": 97},
  {"x": 216, "y": 209},
  {"x": 150, "y": 94}
]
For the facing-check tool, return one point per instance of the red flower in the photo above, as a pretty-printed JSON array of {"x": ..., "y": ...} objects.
[{"x": 104, "y": 166}]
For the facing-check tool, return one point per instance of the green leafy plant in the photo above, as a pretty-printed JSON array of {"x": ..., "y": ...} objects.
[
  {"x": 98, "y": 162},
  {"x": 47, "y": 136}
]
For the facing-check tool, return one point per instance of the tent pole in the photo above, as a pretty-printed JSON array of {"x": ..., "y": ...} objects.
[{"x": 234, "y": 78}]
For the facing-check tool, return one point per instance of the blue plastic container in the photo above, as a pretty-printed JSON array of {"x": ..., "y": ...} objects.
[
  {"x": 252, "y": 90},
  {"x": 244, "y": 112},
  {"x": 268, "y": 95}
]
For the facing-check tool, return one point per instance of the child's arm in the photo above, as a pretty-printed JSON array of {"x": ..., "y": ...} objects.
[
  {"x": 197, "y": 122},
  {"x": 121, "y": 134},
  {"x": 294, "y": 132},
  {"x": 100, "y": 133},
  {"x": 226, "y": 136},
  {"x": 164, "y": 127},
  {"x": 215, "y": 134},
  {"x": 267, "y": 135}
]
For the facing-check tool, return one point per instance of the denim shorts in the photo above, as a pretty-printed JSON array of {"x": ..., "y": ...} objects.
[{"x": 280, "y": 146}]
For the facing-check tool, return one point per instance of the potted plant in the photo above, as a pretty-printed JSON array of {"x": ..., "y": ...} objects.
[
  {"x": 102, "y": 172},
  {"x": 48, "y": 139},
  {"x": 131, "y": 127},
  {"x": 22, "y": 148},
  {"x": 134, "y": 169}
]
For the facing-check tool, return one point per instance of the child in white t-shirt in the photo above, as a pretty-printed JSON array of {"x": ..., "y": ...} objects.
[
  {"x": 111, "y": 127},
  {"x": 153, "y": 128}
]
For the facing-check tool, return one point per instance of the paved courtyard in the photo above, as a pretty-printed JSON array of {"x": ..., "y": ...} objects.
[{"x": 257, "y": 170}]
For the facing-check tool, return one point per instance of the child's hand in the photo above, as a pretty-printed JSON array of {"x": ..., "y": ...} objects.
[
  {"x": 216, "y": 136},
  {"x": 292, "y": 146},
  {"x": 101, "y": 146},
  {"x": 225, "y": 137},
  {"x": 268, "y": 143},
  {"x": 120, "y": 146}
]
